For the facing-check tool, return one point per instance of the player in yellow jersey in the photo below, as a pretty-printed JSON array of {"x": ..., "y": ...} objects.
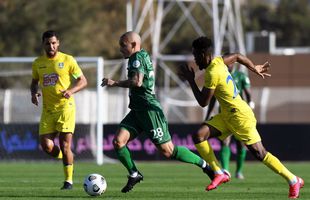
[
  {"x": 52, "y": 72},
  {"x": 236, "y": 116}
]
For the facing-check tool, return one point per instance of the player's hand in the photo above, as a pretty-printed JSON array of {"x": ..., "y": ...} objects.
[
  {"x": 66, "y": 93},
  {"x": 263, "y": 69},
  {"x": 107, "y": 82},
  {"x": 186, "y": 72},
  {"x": 35, "y": 98}
]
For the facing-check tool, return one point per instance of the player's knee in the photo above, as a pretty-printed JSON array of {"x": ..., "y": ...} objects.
[
  {"x": 117, "y": 144},
  {"x": 199, "y": 136},
  {"x": 167, "y": 149},
  {"x": 167, "y": 154},
  {"x": 47, "y": 146}
]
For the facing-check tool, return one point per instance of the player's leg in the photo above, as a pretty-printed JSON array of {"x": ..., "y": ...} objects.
[
  {"x": 65, "y": 141},
  {"x": 225, "y": 153},
  {"x": 156, "y": 127},
  {"x": 157, "y": 130},
  {"x": 245, "y": 130},
  {"x": 295, "y": 183},
  {"x": 214, "y": 127},
  {"x": 241, "y": 155},
  {"x": 120, "y": 141},
  {"x": 205, "y": 150},
  {"x": 202, "y": 145},
  {"x": 127, "y": 131},
  {"x": 183, "y": 154},
  {"x": 47, "y": 134},
  {"x": 65, "y": 125},
  {"x": 48, "y": 145}
]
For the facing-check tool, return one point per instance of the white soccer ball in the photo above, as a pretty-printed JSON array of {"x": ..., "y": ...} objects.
[{"x": 95, "y": 184}]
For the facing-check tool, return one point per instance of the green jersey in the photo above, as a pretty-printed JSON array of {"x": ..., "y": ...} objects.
[
  {"x": 142, "y": 98},
  {"x": 242, "y": 81}
]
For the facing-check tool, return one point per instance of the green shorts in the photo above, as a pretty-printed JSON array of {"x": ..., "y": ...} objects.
[{"x": 151, "y": 122}]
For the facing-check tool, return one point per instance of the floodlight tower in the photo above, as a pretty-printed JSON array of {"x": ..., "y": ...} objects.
[{"x": 226, "y": 26}]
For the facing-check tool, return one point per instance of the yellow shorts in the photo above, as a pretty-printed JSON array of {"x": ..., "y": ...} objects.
[
  {"x": 57, "y": 121},
  {"x": 242, "y": 127}
]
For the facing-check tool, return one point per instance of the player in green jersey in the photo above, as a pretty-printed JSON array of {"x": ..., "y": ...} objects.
[
  {"x": 146, "y": 115},
  {"x": 243, "y": 84},
  {"x": 236, "y": 117}
]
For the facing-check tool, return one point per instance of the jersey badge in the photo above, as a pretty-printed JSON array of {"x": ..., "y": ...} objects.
[
  {"x": 136, "y": 64},
  {"x": 61, "y": 65}
]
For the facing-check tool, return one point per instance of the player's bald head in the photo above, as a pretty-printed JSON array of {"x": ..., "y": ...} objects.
[{"x": 131, "y": 36}]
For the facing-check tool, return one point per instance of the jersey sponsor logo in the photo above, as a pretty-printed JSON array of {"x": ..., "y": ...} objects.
[
  {"x": 136, "y": 63},
  {"x": 229, "y": 78},
  {"x": 50, "y": 79},
  {"x": 61, "y": 65},
  {"x": 42, "y": 67}
]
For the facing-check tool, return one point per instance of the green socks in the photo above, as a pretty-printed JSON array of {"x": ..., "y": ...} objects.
[
  {"x": 125, "y": 157},
  {"x": 240, "y": 160},
  {"x": 183, "y": 154},
  {"x": 180, "y": 153},
  {"x": 225, "y": 157}
]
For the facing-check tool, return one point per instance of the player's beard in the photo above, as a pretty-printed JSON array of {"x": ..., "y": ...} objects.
[{"x": 51, "y": 53}]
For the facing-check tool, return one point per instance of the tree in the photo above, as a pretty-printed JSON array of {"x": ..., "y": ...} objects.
[{"x": 290, "y": 20}]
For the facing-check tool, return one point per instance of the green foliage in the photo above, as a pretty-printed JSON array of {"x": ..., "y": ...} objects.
[
  {"x": 87, "y": 28},
  {"x": 290, "y": 20},
  {"x": 93, "y": 27}
]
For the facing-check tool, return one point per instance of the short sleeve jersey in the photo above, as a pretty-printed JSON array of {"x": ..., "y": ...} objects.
[
  {"x": 54, "y": 75},
  {"x": 242, "y": 81},
  {"x": 142, "y": 98},
  {"x": 217, "y": 77}
]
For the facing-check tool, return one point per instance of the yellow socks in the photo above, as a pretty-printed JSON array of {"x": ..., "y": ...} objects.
[
  {"x": 274, "y": 163},
  {"x": 68, "y": 170},
  {"x": 59, "y": 157},
  {"x": 207, "y": 154}
]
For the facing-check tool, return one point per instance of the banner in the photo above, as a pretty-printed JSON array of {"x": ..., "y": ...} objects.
[{"x": 21, "y": 142}]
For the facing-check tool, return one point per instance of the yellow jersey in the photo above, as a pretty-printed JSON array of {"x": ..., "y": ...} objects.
[
  {"x": 54, "y": 75},
  {"x": 217, "y": 77}
]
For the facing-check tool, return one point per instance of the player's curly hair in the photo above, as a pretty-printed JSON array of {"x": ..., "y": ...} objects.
[{"x": 202, "y": 43}]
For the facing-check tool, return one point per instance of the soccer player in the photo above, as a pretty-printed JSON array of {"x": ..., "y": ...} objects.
[
  {"x": 146, "y": 115},
  {"x": 53, "y": 72},
  {"x": 236, "y": 117},
  {"x": 243, "y": 84}
]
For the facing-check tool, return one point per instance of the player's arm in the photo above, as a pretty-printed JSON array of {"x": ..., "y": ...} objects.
[
  {"x": 203, "y": 96},
  {"x": 81, "y": 82},
  {"x": 34, "y": 89},
  {"x": 260, "y": 70},
  {"x": 136, "y": 80},
  {"x": 210, "y": 108}
]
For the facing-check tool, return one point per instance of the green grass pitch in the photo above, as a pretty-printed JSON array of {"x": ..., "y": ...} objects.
[{"x": 162, "y": 181}]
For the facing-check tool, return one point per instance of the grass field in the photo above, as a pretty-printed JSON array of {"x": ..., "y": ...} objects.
[{"x": 162, "y": 180}]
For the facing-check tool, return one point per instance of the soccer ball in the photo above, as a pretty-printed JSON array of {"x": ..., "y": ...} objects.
[{"x": 95, "y": 184}]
